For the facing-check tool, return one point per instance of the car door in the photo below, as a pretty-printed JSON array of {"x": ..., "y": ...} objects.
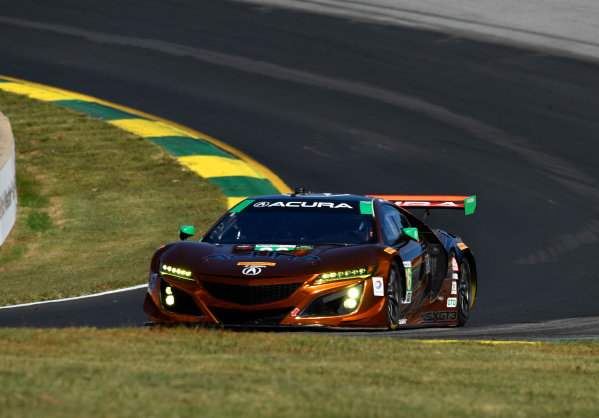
[
  {"x": 413, "y": 253},
  {"x": 435, "y": 256}
]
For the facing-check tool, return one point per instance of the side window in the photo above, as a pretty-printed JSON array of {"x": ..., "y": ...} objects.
[
  {"x": 404, "y": 220},
  {"x": 392, "y": 222}
]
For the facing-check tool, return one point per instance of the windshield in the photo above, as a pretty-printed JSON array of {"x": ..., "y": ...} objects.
[{"x": 290, "y": 226}]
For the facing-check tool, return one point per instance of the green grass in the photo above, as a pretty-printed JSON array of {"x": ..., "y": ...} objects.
[
  {"x": 94, "y": 202},
  {"x": 195, "y": 372},
  {"x": 38, "y": 219}
]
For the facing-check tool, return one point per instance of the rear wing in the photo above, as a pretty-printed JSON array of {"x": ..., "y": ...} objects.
[{"x": 468, "y": 203}]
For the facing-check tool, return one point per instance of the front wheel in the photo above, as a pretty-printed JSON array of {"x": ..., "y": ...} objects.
[
  {"x": 465, "y": 292},
  {"x": 394, "y": 292}
]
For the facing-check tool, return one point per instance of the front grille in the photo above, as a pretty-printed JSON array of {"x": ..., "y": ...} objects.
[
  {"x": 237, "y": 317},
  {"x": 250, "y": 295}
]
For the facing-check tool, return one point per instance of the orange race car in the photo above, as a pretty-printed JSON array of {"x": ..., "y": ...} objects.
[{"x": 317, "y": 260}]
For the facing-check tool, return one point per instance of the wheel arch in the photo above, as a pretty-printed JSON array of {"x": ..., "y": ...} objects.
[
  {"x": 467, "y": 254},
  {"x": 397, "y": 260}
]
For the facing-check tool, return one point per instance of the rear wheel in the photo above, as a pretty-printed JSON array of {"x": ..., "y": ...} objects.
[
  {"x": 464, "y": 292},
  {"x": 394, "y": 292}
]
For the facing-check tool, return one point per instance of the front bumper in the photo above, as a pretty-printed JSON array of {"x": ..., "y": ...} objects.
[{"x": 235, "y": 304}]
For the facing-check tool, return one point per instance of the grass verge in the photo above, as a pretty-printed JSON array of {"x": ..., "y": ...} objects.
[
  {"x": 196, "y": 372},
  {"x": 94, "y": 202}
]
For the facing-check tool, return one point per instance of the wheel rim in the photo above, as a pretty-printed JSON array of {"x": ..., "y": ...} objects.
[
  {"x": 393, "y": 299},
  {"x": 465, "y": 288}
]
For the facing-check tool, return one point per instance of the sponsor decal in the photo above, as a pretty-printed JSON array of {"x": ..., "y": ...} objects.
[
  {"x": 454, "y": 276},
  {"x": 294, "y": 312},
  {"x": 152, "y": 282},
  {"x": 378, "y": 286},
  {"x": 296, "y": 204},
  {"x": 244, "y": 247},
  {"x": 408, "y": 267},
  {"x": 390, "y": 250},
  {"x": 366, "y": 208},
  {"x": 403, "y": 321},
  {"x": 454, "y": 287},
  {"x": 252, "y": 270},
  {"x": 452, "y": 302},
  {"x": 274, "y": 247},
  {"x": 454, "y": 265},
  {"x": 255, "y": 263},
  {"x": 441, "y": 316},
  {"x": 432, "y": 204},
  {"x": 462, "y": 246},
  {"x": 258, "y": 254},
  {"x": 6, "y": 198},
  {"x": 427, "y": 263}
]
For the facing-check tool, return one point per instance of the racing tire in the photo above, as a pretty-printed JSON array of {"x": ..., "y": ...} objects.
[
  {"x": 465, "y": 292},
  {"x": 394, "y": 294}
]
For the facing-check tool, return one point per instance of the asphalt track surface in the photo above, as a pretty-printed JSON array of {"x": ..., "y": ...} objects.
[{"x": 343, "y": 106}]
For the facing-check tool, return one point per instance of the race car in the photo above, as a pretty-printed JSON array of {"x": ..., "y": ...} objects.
[{"x": 318, "y": 260}]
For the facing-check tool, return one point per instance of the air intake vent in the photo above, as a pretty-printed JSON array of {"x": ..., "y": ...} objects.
[
  {"x": 250, "y": 295},
  {"x": 237, "y": 317}
]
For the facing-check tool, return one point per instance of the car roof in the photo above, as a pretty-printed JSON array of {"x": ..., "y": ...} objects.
[{"x": 315, "y": 196}]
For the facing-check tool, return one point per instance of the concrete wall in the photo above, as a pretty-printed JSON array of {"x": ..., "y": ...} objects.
[{"x": 8, "y": 183}]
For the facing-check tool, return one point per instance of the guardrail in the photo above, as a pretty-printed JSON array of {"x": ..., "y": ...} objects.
[{"x": 8, "y": 179}]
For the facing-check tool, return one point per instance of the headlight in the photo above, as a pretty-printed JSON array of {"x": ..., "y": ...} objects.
[
  {"x": 175, "y": 272},
  {"x": 169, "y": 298},
  {"x": 358, "y": 273},
  {"x": 343, "y": 302}
]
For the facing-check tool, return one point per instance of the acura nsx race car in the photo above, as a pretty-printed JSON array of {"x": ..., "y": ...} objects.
[{"x": 306, "y": 259}]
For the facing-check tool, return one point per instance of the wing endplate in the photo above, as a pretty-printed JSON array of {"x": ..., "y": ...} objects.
[{"x": 467, "y": 203}]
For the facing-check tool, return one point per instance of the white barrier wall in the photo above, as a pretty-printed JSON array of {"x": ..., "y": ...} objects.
[{"x": 8, "y": 180}]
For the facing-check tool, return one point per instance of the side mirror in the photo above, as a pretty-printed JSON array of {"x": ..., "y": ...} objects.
[
  {"x": 186, "y": 231},
  {"x": 412, "y": 233}
]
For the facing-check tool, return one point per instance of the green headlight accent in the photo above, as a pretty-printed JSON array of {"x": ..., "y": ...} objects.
[
  {"x": 241, "y": 206},
  {"x": 469, "y": 205},
  {"x": 169, "y": 300},
  {"x": 176, "y": 272},
  {"x": 357, "y": 273}
]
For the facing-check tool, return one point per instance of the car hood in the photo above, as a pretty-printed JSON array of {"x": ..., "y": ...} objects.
[{"x": 205, "y": 259}]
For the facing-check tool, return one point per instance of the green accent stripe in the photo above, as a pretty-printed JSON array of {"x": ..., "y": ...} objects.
[
  {"x": 241, "y": 206},
  {"x": 4, "y": 81},
  {"x": 181, "y": 146},
  {"x": 366, "y": 208},
  {"x": 241, "y": 186},
  {"x": 97, "y": 110}
]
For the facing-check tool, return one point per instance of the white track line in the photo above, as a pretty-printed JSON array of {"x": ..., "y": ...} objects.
[{"x": 125, "y": 289}]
